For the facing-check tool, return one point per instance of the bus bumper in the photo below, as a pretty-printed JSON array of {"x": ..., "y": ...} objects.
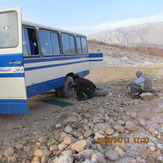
[{"x": 14, "y": 106}]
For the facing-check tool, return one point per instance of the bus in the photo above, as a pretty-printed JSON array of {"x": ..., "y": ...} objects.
[{"x": 35, "y": 59}]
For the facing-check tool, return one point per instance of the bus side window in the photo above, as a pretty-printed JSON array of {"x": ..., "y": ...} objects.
[
  {"x": 32, "y": 41},
  {"x": 84, "y": 45},
  {"x": 30, "y": 46},
  {"x": 78, "y": 43},
  {"x": 65, "y": 43},
  {"x": 55, "y": 44},
  {"x": 26, "y": 51},
  {"x": 72, "y": 44},
  {"x": 45, "y": 41}
]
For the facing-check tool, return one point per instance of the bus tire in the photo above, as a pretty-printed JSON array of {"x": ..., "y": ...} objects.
[
  {"x": 67, "y": 90},
  {"x": 101, "y": 92},
  {"x": 59, "y": 92}
]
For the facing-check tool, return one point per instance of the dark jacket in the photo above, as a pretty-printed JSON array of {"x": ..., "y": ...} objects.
[{"x": 82, "y": 82}]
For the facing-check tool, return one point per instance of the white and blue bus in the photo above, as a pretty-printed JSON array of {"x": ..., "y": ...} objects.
[{"x": 35, "y": 59}]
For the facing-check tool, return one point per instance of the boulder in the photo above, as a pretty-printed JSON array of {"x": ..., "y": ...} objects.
[
  {"x": 80, "y": 145},
  {"x": 147, "y": 96},
  {"x": 112, "y": 155}
]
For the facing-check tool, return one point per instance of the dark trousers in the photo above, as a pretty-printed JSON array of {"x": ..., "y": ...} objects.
[
  {"x": 83, "y": 90},
  {"x": 136, "y": 89}
]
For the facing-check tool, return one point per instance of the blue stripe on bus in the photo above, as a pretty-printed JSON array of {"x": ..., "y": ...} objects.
[
  {"x": 14, "y": 106},
  {"x": 95, "y": 55},
  {"x": 39, "y": 88},
  {"x": 47, "y": 59},
  {"x": 61, "y": 64},
  {"x": 53, "y": 65},
  {"x": 96, "y": 60},
  {"x": 13, "y": 75}
]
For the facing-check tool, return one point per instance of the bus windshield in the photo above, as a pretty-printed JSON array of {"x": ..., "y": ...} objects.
[{"x": 8, "y": 29}]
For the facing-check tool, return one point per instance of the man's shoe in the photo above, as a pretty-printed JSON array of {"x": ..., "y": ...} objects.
[
  {"x": 81, "y": 99},
  {"x": 89, "y": 97},
  {"x": 136, "y": 97}
]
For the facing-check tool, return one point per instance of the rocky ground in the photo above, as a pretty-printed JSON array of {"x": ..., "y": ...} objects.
[
  {"x": 114, "y": 128},
  {"x": 127, "y": 56}
]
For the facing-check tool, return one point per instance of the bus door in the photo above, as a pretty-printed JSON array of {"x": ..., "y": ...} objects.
[{"x": 13, "y": 98}]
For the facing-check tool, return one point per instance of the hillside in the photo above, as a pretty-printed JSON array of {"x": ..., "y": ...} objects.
[
  {"x": 127, "y": 56},
  {"x": 148, "y": 35},
  {"x": 144, "y": 50}
]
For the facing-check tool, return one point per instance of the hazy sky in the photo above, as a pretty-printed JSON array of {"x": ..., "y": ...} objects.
[{"x": 88, "y": 16}]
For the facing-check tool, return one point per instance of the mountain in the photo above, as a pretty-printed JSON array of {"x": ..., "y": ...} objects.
[{"x": 147, "y": 35}]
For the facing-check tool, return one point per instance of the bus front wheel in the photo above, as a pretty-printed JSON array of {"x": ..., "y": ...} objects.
[
  {"x": 59, "y": 92},
  {"x": 67, "y": 90}
]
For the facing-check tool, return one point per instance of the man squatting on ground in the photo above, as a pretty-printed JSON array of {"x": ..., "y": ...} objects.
[
  {"x": 83, "y": 86},
  {"x": 135, "y": 86}
]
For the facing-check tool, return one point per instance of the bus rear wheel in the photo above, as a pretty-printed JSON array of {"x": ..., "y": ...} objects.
[{"x": 67, "y": 90}]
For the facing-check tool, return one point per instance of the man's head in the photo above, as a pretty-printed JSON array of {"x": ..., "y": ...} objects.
[
  {"x": 76, "y": 77},
  {"x": 139, "y": 73}
]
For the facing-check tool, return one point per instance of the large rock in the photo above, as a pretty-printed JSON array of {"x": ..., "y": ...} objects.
[
  {"x": 119, "y": 151},
  {"x": 112, "y": 155},
  {"x": 68, "y": 139},
  {"x": 147, "y": 96},
  {"x": 88, "y": 133},
  {"x": 80, "y": 145},
  {"x": 98, "y": 157},
  {"x": 86, "y": 154},
  {"x": 63, "y": 159},
  {"x": 142, "y": 122},
  {"x": 41, "y": 153},
  {"x": 109, "y": 131},
  {"x": 119, "y": 128},
  {"x": 71, "y": 119},
  {"x": 41, "y": 140},
  {"x": 68, "y": 129},
  {"x": 62, "y": 136},
  {"x": 53, "y": 148},
  {"x": 62, "y": 146},
  {"x": 131, "y": 126},
  {"x": 9, "y": 152},
  {"x": 99, "y": 148},
  {"x": 12, "y": 159},
  {"x": 98, "y": 136}
]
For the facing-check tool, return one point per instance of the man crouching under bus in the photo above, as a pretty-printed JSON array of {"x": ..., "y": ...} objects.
[
  {"x": 135, "y": 86},
  {"x": 83, "y": 86}
]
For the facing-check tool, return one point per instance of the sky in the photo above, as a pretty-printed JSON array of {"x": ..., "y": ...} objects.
[{"x": 88, "y": 16}]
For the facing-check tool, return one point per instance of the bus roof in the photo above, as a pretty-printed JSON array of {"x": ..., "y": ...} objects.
[{"x": 50, "y": 28}]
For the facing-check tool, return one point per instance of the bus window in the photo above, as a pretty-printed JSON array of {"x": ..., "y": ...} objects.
[
  {"x": 8, "y": 30},
  {"x": 45, "y": 41},
  {"x": 30, "y": 45},
  {"x": 72, "y": 44},
  {"x": 65, "y": 43},
  {"x": 26, "y": 51},
  {"x": 32, "y": 41},
  {"x": 84, "y": 45},
  {"x": 55, "y": 44},
  {"x": 78, "y": 42}
]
